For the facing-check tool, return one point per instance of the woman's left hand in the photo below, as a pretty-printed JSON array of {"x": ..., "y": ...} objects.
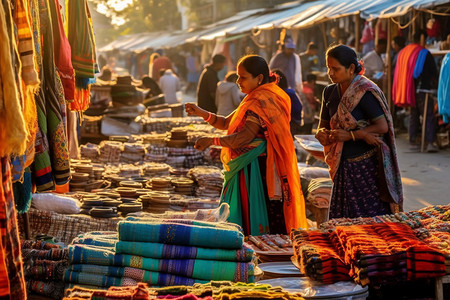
[
  {"x": 203, "y": 143},
  {"x": 372, "y": 139}
]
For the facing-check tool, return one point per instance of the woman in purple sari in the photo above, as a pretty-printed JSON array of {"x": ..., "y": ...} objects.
[{"x": 357, "y": 134}]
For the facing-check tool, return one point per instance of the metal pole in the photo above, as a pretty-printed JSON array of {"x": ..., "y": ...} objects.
[{"x": 424, "y": 123}]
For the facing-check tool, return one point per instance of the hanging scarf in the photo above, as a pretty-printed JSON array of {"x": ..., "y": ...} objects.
[
  {"x": 13, "y": 133},
  {"x": 51, "y": 138},
  {"x": 343, "y": 119},
  {"x": 81, "y": 39},
  {"x": 62, "y": 52},
  {"x": 403, "y": 87},
  {"x": 273, "y": 106}
]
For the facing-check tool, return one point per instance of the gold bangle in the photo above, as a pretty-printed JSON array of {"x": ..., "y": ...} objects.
[{"x": 353, "y": 136}]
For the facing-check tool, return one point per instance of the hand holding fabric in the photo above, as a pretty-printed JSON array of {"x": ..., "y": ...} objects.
[{"x": 323, "y": 135}]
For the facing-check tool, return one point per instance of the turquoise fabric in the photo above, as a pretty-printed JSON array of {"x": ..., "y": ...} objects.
[
  {"x": 150, "y": 277},
  {"x": 181, "y": 232},
  {"x": 259, "y": 221},
  {"x": 158, "y": 250},
  {"x": 193, "y": 268}
]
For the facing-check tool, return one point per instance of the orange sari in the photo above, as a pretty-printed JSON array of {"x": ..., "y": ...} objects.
[{"x": 273, "y": 106}]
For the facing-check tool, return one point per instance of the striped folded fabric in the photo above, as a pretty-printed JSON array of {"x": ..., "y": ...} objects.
[
  {"x": 139, "y": 275},
  {"x": 378, "y": 252},
  {"x": 317, "y": 257},
  {"x": 193, "y": 268},
  {"x": 181, "y": 232},
  {"x": 98, "y": 280},
  {"x": 158, "y": 250}
]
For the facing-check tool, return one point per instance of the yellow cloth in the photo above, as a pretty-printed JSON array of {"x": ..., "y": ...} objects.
[
  {"x": 273, "y": 106},
  {"x": 13, "y": 132}
]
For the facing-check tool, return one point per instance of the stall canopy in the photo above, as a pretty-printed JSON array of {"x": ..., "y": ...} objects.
[
  {"x": 295, "y": 15},
  {"x": 321, "y": 11}
]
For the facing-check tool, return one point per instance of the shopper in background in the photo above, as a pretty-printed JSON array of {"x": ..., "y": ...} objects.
[
  {"x": 262, "y": 183},
  {"x": 228, "y": 95},
  {"x": 207, "y": 85},
  {"x": 158, "y": 63},
  {"x": 296, "y": 106},
  {"x": 358, "y": 137},
  {"x": 309, "y": 60},
  {"x": 289, "y": 63},
  {"x": 170, "y": 85}
]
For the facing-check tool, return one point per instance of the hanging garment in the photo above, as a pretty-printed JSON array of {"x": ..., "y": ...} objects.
[
  {"x": 11, "y": 258},
  {"x": 13, "y": 133},
  {"x": 62, "y": 51},
  {"x": 403, "y": 88},
  {"x": 444, "y": 89},
  {"x": 81, "y": 39}
]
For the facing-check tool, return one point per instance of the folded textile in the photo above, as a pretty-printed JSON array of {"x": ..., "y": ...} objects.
[
  {"x": 96, "y": 279},
  {"x": 393, "y": 243},
  {"x": 181, "y": 232},
  {"x": 158, "y": 250},
  {"x": 97, "y": 238},
  {"x": 316, "y": 255},
  {"x": 194, "y": 268},
  {"x": 150, "y": 277}
]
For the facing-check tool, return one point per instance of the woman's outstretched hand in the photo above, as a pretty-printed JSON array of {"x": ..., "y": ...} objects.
[
  {"x": 203, "y": 143},
  {"x": 193, "y": 110}
]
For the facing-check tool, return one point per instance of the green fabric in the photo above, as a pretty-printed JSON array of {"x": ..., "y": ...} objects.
[{"x": 259, "y": 221}]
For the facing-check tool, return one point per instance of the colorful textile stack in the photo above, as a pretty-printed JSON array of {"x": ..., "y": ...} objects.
[
  {"x": 376, "y": 254},
  {"x": 162, "y": 253},
  {"x": 316, "y": 257},
  {"x": 44, "y": 265},
  {"x": 319, "y": 192},
  {"x": 209, "y": 180},
  {"x": 214, "y": 290}
]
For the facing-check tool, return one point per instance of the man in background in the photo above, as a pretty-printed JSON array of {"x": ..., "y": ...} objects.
[{"x": 207, "y": 85}]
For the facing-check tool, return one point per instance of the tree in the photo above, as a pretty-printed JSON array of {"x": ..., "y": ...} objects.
[{"x": 141, "y": 16}]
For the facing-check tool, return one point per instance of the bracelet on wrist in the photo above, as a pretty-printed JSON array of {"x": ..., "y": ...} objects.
[
  {"x": 209, "y": 117},
  {"x": 353, "y": 136}
]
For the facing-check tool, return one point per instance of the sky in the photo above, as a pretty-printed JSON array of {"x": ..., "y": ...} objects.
[{"x": 118, "y": 5}]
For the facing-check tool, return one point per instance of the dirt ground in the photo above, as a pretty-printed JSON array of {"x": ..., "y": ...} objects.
[{"x": 425, "y": 176}]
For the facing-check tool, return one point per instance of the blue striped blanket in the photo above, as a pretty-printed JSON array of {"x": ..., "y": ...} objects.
[
  {"x": 193, "y": 268},
  {"x": 199, "y": 234}
]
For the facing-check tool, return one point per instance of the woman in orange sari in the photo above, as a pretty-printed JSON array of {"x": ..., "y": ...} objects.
[{"x": 262, "y": 183}]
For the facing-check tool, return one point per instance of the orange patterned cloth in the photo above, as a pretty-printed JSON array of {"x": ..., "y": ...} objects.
[{"x": 273, "y": 106}]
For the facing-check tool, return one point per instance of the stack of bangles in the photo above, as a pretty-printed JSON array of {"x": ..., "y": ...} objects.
[{"x": 216, "y": 141}]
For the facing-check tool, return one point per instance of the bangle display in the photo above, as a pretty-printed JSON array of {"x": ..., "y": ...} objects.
[
  {"x": 209, "y": 117},
  {"x": 353, "y": 136}
]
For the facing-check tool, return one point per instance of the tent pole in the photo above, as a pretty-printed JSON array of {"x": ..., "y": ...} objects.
[
  {"x": 389, "y": 64},
  {"x": 324, "y": 34},
  {"x": 357, "y": 32}
]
